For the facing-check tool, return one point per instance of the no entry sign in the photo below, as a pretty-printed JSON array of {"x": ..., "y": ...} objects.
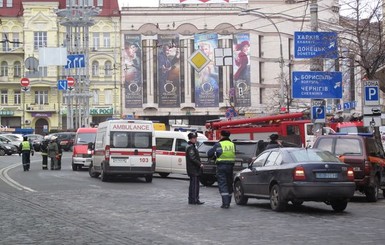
[{"x": 24, "y": 82}]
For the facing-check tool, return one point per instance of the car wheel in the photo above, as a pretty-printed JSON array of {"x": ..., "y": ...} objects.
[
  {"x": 2, "y": 152},
  {"x": 339, "y": 205},
  {"x": 383, "y": 193},
  {"x": 92, "y": 173},
  {"x": 207, "y": 180},
  {"x": 104, "y": 176},
  {"x": 239, "y": 196},
  {"x": 148, "y": 178},
  {"x": 164, "y": 175},
  {"x": 277, "y": 202},
  {"x": 296, "y": 203},
  {"x": 372, "y": 192}
]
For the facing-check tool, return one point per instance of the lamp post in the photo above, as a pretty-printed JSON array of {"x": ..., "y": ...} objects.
[{"x": 281, "y": 60}]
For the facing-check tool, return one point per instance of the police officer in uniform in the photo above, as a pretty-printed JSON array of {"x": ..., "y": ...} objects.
[
  {"x": 44, "y": 153},
  {"x": 273, "y": 142},
  {"x": 224, "y": 150},
  {"x": 193, "y": 167},
  {"x": 25, "y": 150}
]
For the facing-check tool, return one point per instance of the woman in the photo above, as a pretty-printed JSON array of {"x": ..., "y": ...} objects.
[{"x": 242, "y": 61}]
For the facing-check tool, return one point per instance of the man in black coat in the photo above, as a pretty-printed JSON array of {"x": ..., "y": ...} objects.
[
  {"x": 273, "y": 142},
  {"x": 193, "y": 166}
]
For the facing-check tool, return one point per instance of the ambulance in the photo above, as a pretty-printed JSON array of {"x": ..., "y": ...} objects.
[
  {"x": 123, "y": 147},
  {"x": 171, "y": 151}
]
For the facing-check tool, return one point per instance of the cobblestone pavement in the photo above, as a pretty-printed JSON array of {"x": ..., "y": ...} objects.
[{"x": 130, "y": 211}]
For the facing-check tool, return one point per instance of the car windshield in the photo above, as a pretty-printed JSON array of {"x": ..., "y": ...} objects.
[
  {"x": 85, "y": 138},
  {"x": 205, "y": 147},
  {"x": 307, "y": 155}
]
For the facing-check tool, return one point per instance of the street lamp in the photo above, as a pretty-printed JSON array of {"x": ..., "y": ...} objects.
[{"x": 281, "y": 60}]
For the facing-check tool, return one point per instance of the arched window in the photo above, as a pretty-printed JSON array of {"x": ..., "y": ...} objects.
[
  {"x": 17, "y": 69},
  {"x": 108, "y": 68},
  {"x": 95, "y": 68},
  {"x": 4, "y": 69}
]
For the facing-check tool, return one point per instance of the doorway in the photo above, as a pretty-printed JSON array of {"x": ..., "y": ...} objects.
[{"x": 40, "y": 124}]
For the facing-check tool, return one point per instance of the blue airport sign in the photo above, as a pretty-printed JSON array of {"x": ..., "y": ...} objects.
[
  {"x": 315, "y": 45},
  {"x": 316, "y": 85},
  {"x": 75, "y": 61}
]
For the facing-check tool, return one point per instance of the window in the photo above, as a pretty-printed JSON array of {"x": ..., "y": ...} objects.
[
  {"x": 41, "y": 97},
  {"x": 108, "y": 68},
  {"x": 130, "y": 140},
  {"x": 1, "y": 3},
  {"x": 5, "y": 44},
  {"x": 106, "y": 40},
  {"x": 348, "y": 146},
  {"x": 9, "y": 3},
  {"x": 325, "y": 144},
  {"x": 100, "y": 3},
  {"x": 108, "y": 96},
  {"x": 4, "y": 69},
  {"x": 40, "y": 39},
  {"x": 96, "y": 39},
  {"x": 4, "y": 97},
  {"x": 17, "y": 69},
  {"x": 261, "y": 159},
  {"x": 43, "y": 71},
  {"x": 95, "y": 96},
  {"x": 16, "y": 40},
  {"x": 308, "y": 155},
  {"x": 17, "y": 97},
  {"x": 271, "y": 160},
  {"x": 180, "y": 145},
  {"x": 164, "y": 144},
  {"x": 95, "y": 68}
]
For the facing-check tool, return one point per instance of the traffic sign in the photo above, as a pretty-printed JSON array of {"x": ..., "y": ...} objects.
[
  {"x": 25, "y": 89},
  {"x": 70, "y": 81},
  {"x": 318, "y": 114},
  {"x": 199, "y": 60},
  {"x": 315, "y": 45},
  {"x": 24, "y": 82},
  {"x": 75, "y": 61},
  {"x": 62, "y": 85},
  {"x": 230, "y": 113},
  {"x": 371, "y": 92},
  {"x": 316, "y": 85},
  {"x": 372, "y": 116}
]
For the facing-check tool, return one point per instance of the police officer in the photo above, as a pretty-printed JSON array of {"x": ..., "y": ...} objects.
[
  {"x": 25, "y": 150},
  {"x": 193, "y": 167},
  {"x": 44, "y": 153},
  {"x": 224, "y": 150},
  {"x": 273, "y": 142}
]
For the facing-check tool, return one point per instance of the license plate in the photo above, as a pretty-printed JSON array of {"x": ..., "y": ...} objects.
[
  {"x": 204, "y": 159},
  {"x": 356, "y": 169},
  {"x": 326, "y": 175},
  {"x": 119, "y": 160}
]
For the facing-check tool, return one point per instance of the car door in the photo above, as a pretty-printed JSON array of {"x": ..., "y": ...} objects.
[
  {"x": 252, "y": 181},
  {"x": 179, "y": 158},
  {"x": 268, "y": 171}
]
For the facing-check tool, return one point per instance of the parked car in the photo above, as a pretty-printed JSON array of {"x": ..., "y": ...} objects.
[
  {"x": 8, "y": 149},
  {"x": 296, "y": 175},
  {"x": 81, "y": 155},
  {"x": 365, "y": 154},
  {"x": 35, "y": 140},
  {"x": 66, "y": 139},
  {"x": 9, "y": 140},
  {"x": 15, "y": 137}
]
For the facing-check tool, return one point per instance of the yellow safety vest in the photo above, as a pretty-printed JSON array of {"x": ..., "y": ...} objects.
[
  {"x": 25, "y": 146},
  {"x": 228, "y": 151}
]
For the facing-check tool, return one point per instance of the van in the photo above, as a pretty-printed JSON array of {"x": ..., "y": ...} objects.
[
  {"x": 123, "y": 147},
  {"x": 171, "y": 151},
  {"x": 81, "y": 155}
]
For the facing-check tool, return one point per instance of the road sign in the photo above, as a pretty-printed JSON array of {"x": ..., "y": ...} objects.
[
  {"x": 371, "y": 92},
  {"x": 70, "y": 81},
  {"x": 25, "y": 89},
  {"x": 199, "y": 60},
  {"x": 315, "y": 45},
  {"x": 372, "y": 116},
  {"x": 316, "y": 85},
  {"x": 62, "y": 85},
  {"x": 75, "y": 61},
  {"x": 318, "y": 114},
  {"x": 230, "y": 113},
  {"x": 223, "y": 56},
  {"x": 24, "y": 82}
]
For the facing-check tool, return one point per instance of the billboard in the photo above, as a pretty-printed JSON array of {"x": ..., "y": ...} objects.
[
  {"x": 241, "y": 70},
  {"x": 201, "y": 1},
  {"x": 132, "y": 71},
  {"x": 168, "y": 71},
  {"x": 206, "y": 81}
]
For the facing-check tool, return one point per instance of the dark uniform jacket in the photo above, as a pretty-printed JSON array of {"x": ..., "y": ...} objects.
[
  {"x": 272, "y": 144},
  {"x": 193, "y": 161}
]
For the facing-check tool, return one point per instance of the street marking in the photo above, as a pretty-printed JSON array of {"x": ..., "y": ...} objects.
[{"x": 8, "y": 180}]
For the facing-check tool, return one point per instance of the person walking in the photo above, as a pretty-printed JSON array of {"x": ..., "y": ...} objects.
[
  {"x": 273, "y": 142},
  {"x": 44, "y": 153},
  {"x": 194, "y": 168},
  {"x": 25, "y": 150},
  {"x": 224, "y": 151},
  {"x": 53, "y": 152}
]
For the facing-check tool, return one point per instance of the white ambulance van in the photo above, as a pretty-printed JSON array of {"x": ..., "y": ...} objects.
[
  {"x": 123, "y": 147},
  {"x": 171, "y": 151}
]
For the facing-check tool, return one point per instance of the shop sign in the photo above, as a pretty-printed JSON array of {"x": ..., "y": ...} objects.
[
  {"x": 7, "y": 113},
  {"x": 41, "y": 114},
  {"x": 101, "y": 111}
]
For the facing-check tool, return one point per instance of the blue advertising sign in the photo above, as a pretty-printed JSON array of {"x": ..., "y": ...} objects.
[
  {"x": 75, "y": 61},
  {"x": 316, "y": 85},
  {"x": 315, "y": 45},
  {"x": 62, "y": 85}
]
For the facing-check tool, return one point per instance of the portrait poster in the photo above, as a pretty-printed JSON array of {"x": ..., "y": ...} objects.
[
  {"x": 206, "y": 81},
  {"x": 241, "y": 70},
  {"x": 168, "y": 71},
  {"x": 132, "y": 71}
]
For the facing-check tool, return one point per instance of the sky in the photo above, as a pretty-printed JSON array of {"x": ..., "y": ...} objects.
[{"x": 138, "y": 3}]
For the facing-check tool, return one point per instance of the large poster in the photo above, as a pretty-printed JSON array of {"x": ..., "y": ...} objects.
[
  {"x": 201, "y": 1},
  {"x": 168, "y": 71},
  {"x": 241, "y": 70},
  {"x": 132, "y": 71},
  {"x": 206, "y": 81}
]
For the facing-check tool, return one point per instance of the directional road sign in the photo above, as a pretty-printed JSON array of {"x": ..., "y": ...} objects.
[
  {"x": 62, "y": 85},
  {"x": 75, "y": 61},
  {"x": 371, "y": 93},
  {"x": 316, "y": 85},
  {"x": 315, "y": 45},
  {"x": 24, "y": 82}
]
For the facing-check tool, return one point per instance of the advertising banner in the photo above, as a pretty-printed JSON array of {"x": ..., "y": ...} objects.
[
  {"x": 168, "y": 71},
  {"x": 201, "y": 1},
  {"x": 241, "y": 70},
  {"x": 132, "y": 71},
  {"x": 206, "y": 81}
]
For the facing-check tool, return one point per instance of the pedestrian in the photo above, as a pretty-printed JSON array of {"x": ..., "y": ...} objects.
[
  {"x": 53, "y": 152},
  {"x": 273, "y": 142},
  {"x": 59, "y": 156},
  {"x": 194, "y": 169},
  {"x": 44, "y": 153},
  {"x": 25, "y": 150},
  {"x": 224, "y": 151}
]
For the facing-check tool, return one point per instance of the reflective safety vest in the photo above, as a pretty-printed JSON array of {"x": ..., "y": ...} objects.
[
  {"x": 25, "y": 146},
  {"x": 228, "y": 151}
]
